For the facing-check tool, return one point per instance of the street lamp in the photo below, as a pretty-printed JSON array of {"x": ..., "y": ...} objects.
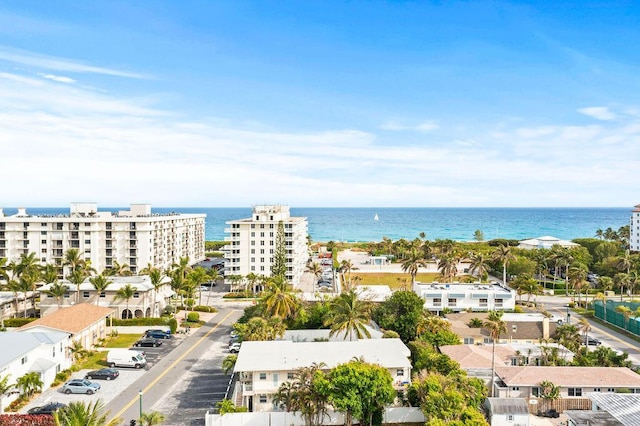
[
  {"x": 568, "y": 315},
  {"x": 140, "y": 396}
]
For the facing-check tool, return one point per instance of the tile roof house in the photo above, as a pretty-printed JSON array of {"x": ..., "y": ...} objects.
[
  {"x": 44, "y": 353},
  {"x": 85, "y": 323},
  {"x": 262, "y": 366},
  {"x": 574, "y": 382},
  {"x": 521, "y": 328}
]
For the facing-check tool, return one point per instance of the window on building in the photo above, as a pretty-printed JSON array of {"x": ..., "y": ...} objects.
[
  {"x": 271, "y": 243},
  {"x": 253, "y": 234},
  {"x": 574, "y": 391},
  {"x": 261, "y": 243},
  {"x": 66, "y": 294},
  {"x": 271, "y": 234},
  {"x": 263, "y": 399},
  {"x": 596, "y": 389},
  {"x": 261, "y": 251},
  {"x": 452, "y": 302},
  {"x": 509, "y": 417},
  {"x": 483, "y": 303},
  {"x": 535, "y": 391},
  {"x": 468, "y": 341},
  {"x": 85, "y": 294},
  {"x": 253, "y": 251},
  {"x": 253, "y": 226},
  {"x": 263, "y": 376},
  {"x": 103, "y": 294},
  {"x": 515, "y": 388},
  {"x": 262, "y": 234},
  {"x": 253, "y": 243},
  {"x": 43, "y": 233},
  {"x": 262, "y": 268},
  {"x": 514, "y": 328},
  {"x": 136, "y": 295},
  {"x": 24, "y": 360},
  {"x": 498, "y": 303},
  {"x": 290, "y": 376},
  {"x": 437, "y": 301},
  {"x": 253, "y": 268},
  {"x": 262, "y": 226},
  {"x": 399, "y": 372}
]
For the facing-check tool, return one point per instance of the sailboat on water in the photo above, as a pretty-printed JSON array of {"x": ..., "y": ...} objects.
[{"x": 376, "y": 218}]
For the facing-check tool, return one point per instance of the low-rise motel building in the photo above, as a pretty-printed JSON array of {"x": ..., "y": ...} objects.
[{"x": 457, "y": 297}]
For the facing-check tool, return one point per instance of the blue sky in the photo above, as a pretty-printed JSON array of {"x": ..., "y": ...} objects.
[{"x": 320, "y": 103}]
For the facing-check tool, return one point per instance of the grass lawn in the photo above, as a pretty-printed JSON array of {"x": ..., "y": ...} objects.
[
  {"x": 393, "y": 280},
  {"x": 94, "y": 362},
  {"x": 122, "y": 341}
]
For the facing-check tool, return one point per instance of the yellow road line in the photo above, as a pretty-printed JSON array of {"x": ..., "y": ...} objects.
[{"x": 164, "y": 373}]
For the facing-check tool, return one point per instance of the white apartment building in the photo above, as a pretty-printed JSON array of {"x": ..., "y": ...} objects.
[
  {"x": 634, "y": 228},
  {"x": 252, "y": 242},
  {"x": 459, "y": 297},
  {"x": 262, "y": 366},
  {"x": 135, "y": 237}
]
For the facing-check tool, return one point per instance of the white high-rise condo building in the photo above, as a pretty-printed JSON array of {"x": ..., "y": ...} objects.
[
  {"x": 634, "y": 229},
  {"x": 252, "y": 242},
  {"x": 135, "y": 237}
]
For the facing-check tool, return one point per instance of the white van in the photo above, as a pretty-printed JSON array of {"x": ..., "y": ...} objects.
[{"x": 125, "y": 358}]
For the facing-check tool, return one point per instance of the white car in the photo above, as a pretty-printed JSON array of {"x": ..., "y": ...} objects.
[{"x": 234, "y": 348}]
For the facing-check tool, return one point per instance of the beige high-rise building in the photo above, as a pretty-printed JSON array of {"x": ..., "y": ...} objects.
[
  {"x": 135, "y": 237},
  {"x": 252, "y": 242}
]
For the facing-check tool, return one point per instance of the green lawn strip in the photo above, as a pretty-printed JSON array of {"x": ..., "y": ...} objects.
[
  {"x": 395, "y": 280},
  {"x": 122, "y": 341},
  {"x": 94, "y": 362}
]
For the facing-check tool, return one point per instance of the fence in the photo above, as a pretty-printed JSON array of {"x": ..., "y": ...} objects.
[
  {"x": 560, "y": 405},
  {"x": 609, "y": 314},
  {"x": 392, "y": 416}
]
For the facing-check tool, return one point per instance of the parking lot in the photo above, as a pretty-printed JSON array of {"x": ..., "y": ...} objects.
[{"x": 108, "y": 389}]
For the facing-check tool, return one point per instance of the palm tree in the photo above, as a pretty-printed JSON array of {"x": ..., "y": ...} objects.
[
  {"x": 49, "y": 274},
  {"x": 602, "y": 297},
  {"x": 504, "y": 255},
  {"x": 349, "y": 314},
  {"x": 77, "y": 277},
  {"x": 345, "y": 268},
  {"x": 57, "y": 290},
  {"x": 77, "y": 351},
  {"x": 624, "y": 262},
  {"x": 100, "y": 283},
  {"x": 5, "y": 387},
  {"x": 278, "y": 299},
  {"x": 229, "y": 363},
  {"x": 24, "y": 287},
  {"x": 30, "y": 383},
  {"x": 151, "y": 419},
  {"x": 479, "y": 265},
  {"x": 156, "y": 276},
  {"x": 14, "y": 286},
  {"x": 626, "y": 313},
  {"x": 73, "y": 260},
  {"x": 77, "y": 413},
  {"x": 448, "y": 267},
  {"x": 495, "y": 326},
  {"x": 577, "y": 277},
  {"x": 621, "y": 279},
  {"x": 183, "y": 266},
  {"x": 315, "y": 269},
  {"x": 126, "y": 293},
  {"x": 527, "y": 285},
  {"x": 413, "y": 262},
  {"x": 585, "y": 328}
]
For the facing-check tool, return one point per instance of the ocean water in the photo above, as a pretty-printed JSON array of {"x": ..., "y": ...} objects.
[{"x": 459, "y": 224}]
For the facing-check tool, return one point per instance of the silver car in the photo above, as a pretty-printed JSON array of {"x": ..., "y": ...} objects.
[{"x": 80, "y": 386}]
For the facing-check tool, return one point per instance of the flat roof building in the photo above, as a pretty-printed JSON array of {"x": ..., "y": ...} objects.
[
  {"x": 459, "y": 296},
  {"x": 135, "y": 237},
  {"x": 252, "y": 242}
]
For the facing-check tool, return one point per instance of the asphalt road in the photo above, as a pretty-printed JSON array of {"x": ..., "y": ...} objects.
[{"x": 185, "y": 383}]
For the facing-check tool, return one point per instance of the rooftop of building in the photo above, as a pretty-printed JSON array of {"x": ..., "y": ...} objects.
[
  {"x": 90, "y": 211},
  {"x": 480, "y": 356},
  {"x": 613, "y": 377},
  {"x": 508, "y": 405},
  {"x": 15, "y": 344},
  {"x": 72, "y": 319},
  {"x": 465, "y": 287},
  {"x": 140, "y": 282},
  {"x": 623, "y": 407},
  {"x": 289, "y": 356}
]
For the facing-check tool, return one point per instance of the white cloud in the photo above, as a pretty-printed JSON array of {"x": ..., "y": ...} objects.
[
  {"x": 425, "y": 126},
  {"x": 59, "y": 79},
  {"x": 60, "y": 64},
  {"x": 599, "y": 113}
]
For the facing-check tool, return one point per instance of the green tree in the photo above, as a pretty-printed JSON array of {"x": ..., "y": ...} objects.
[
  {"x": 349, "y": 315},
  {"x": 524, "y": 284},
  {"x": 29, "y": 384},
  {"x": 495, "y": 326},
  {"x": 227, "y": 406},
  {"x": 152, "y": 418},
  {"x": 400, "y": 312},
  {"x": 626, "y": 313},
  {"x": 258, "y": 328},
  {"x": 278, "y": 299},
  {"x": 126, "y": 293},
  {"x": 100, "y": 283},
  {"x": 279, "y": 265},
  {"x": 77, "y": 277},
  {"x": 79, "y": 413},
  {"x": 307, "y": 393},
  {"x": 504, "y": 255},
  {"x": 413, "y": 263},
  {"x": 229, "y": 363},
  {"x": 478, "y": 235},
  {"x": 437, "y": 331},
  {"x": 5, "y": 387},
  {"x": 479, "y": 265},
  {"x": 361, "y": 390},
  {"x": 78, "y": 351}
]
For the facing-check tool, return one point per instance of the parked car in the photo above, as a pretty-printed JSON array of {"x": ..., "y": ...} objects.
[
  {"x": 234, "y": 348},
  {"x": 103, "y": 373},
  {"x": 552, "y": 413},
  {"x": 80, "y": 386},
  {"x": 49, "y": 408},
  {"x": 591, "y": 341},
  {"x": 158, "y": 334},
  {"x": 149, "y": 342}
]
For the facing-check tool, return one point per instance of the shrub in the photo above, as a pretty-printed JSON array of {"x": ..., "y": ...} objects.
[
  {"x": 518, "y": 310},
  {"x": 169, "y": 309},
  {"x": 173, "y": 325},
  {"x": 238, "y": 295},
  {"x": 25, "y": 420},
  {"x": 201, "y": 308},
  {"x": 61, "y": 377},
  {"x": 17, "y": 322},
  {"x": 140, "y": 321},
  {"x": 193, "y": 317}
]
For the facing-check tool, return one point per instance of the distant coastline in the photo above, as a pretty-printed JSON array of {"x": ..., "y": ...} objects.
[{"x": 357, "y": 224}]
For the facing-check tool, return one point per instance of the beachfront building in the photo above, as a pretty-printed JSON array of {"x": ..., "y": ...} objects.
[
  {"x": 135, "y": 237},
  {"x": 252, "y": 242},
  {"x": 545, "y": 242},
  {"x": 262, "y": 366},
  {"x": 147, "y": 300},
  {"x": 458, "y": 297},
  {"x": 634, "y": 229}
]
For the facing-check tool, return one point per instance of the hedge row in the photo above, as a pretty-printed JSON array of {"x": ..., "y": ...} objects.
[
  {"x": 17, "y": 322},
  {"x": 25, "y": 420},
  {"x": 140, "y": 321}
]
